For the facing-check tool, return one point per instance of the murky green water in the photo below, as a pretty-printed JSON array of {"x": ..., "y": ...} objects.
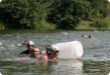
[{"x": 96, "y": 59}]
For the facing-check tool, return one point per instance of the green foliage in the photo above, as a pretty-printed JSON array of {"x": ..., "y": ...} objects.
[
  {"x": 99, "y": 23},
  {"x": 60, "y": 14},
  {"x": 13, "y": 12},
  {"x": 38, "y": 12},
  {"x": 46, "y": 26},
  {"x": 23, "y": 13},
  {"x": 68, "y": 22},
  {"x": 67, "y": 13},
  {"x": 99, "y": 8},
  {"x": 83, "y": 25}
]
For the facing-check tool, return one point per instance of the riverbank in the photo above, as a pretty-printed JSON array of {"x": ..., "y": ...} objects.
[{"x": 22, "y": 31}]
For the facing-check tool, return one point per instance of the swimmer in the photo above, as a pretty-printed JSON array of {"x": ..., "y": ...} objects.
[
  {"x": 1, "y": 45},
  {"x": 87, "y": 36},
  {"x": 84, "y": 36},
  {"x": 25, "y": 42},
  {"x": 30, "y": 45},
  {"x": 90, "y": 36},
  {"x": 35, "y": 52},
  {"x": 52, "y": 51}
]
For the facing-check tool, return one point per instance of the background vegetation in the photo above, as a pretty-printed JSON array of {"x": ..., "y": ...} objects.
[{"x": 54, "y": 14}]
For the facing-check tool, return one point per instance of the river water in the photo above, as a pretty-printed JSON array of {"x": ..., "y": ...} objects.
[{"x": 95, "y": 61}]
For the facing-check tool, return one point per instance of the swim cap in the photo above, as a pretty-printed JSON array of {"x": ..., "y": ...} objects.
[
  {"x": 55, "y": 48},
  {"x": 30, "y": 43}
]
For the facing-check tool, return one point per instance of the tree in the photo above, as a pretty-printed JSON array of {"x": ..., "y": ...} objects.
[
  {"x": 23, "y": 13},
  {"x": 67, "y": 13},
  {"x": 100, "y": 23},
  {"x": 99, "y": 8}
]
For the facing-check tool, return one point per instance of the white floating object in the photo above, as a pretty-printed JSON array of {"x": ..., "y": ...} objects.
[
  {"x": 70, "y": 50},
  {"x": 0, "y": 0},
  {"x": 109, "y": 74},
  {"x": 0, "y": 73}
]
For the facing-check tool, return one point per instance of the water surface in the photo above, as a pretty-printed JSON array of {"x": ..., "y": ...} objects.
[{"x": 95, "y": 60}]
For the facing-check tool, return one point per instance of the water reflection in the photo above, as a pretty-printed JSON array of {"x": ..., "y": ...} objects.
[
  {"x": 51, "y": 67},
  {"x": 96, "y": 67},
  {"x": 54, "y": 67},
  {"x": 24, "y": 68},
  {"x": 68, "y": 67}
]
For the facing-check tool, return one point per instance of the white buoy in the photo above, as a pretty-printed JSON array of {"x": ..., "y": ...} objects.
[
  {"x": 70, "y": 50},
  {"x": 0, "y": 0},
  {"x": 1, "y": 74},
  {"x": 109, "y": 74}
]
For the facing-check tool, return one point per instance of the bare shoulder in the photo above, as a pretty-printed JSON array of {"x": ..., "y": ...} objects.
[{"x": 44, "y": 57}]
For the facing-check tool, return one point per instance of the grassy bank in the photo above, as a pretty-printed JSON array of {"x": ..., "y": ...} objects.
[{"x": 85, "y": 25}]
